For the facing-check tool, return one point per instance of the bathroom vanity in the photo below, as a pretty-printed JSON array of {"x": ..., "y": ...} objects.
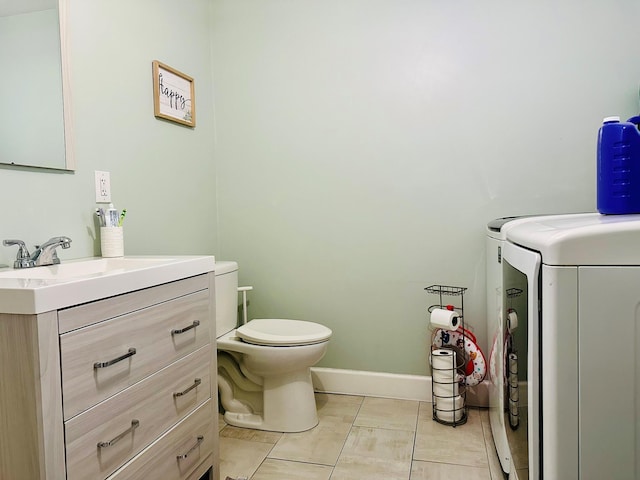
[{"x": 107, "y": 369}]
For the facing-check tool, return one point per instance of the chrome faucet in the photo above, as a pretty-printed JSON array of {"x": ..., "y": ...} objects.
[{"x": 44, "y": 254}]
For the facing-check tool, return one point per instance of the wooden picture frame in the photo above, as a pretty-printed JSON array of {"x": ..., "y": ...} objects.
[{"x": 173, "y": 95}]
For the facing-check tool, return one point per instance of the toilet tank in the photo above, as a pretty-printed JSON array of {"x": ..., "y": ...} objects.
[{"x": 226, "y": 274}]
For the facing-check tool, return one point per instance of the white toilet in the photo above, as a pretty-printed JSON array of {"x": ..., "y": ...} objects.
[{"x": 264, "y": 376}]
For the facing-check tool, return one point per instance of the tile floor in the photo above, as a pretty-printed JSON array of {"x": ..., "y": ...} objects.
[{"x": 365, "y": 438}]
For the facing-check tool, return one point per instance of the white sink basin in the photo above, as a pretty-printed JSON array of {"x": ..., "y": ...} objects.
[
  {"x": 41, "y": 289},
  {"x": 85, "y": 268}
]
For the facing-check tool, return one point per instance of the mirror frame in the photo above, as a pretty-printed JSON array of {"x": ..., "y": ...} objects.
[
  {"x": 68, "y": 163},
  {"x": 69, "y": 154}
]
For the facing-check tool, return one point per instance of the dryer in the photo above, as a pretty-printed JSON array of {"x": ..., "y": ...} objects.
[
  {"x": 574, "y": 283},
  {"x": 496, "y": 332}
]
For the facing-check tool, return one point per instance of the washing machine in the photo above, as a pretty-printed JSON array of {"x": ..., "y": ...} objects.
[{"x": 568, "y": 355}]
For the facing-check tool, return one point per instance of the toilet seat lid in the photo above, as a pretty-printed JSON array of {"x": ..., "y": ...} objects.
[{"x": 280, "y": 332}]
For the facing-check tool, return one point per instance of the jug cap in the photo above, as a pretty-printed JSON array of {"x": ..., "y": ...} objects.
[{"x": 612, "y": 119}]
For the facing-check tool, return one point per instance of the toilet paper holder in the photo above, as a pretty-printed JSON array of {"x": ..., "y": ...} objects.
[{"x": 448, "y": 392}]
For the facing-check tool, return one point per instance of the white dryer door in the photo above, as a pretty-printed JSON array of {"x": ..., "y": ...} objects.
[
  {"x": 521, "y": 294},
  {"x": 496, "y": 367}
]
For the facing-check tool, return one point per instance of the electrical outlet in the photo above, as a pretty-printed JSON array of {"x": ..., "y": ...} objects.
[{"x": 103, "y": 187}]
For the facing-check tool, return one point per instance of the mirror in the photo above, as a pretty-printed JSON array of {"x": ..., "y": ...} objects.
[{"x": 35, "y": 123}]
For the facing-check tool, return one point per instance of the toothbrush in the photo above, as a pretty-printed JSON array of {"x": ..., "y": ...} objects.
[
  {"x": 100, "y": 215},
  {"x": 122, "y": 215}
]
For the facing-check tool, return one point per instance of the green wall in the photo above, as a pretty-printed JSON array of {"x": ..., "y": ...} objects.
[
  {"x": 163, "y": 173},
  {"x": 357, "y": 151},
  {"x": 362, "y": 146}
]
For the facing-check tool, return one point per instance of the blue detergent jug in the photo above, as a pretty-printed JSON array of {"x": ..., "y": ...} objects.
[{"x": 618, "y": 176}]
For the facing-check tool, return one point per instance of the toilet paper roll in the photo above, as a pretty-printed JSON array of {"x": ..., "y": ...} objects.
[
  {"x": 513, "y": 369},
  {"x": 513, "y": 406},
  {"x": 446, "y": 319},
  {"x": 443, "y": 372},
  {"x": 514, "y": 417},
  {"x": 443, "y": 363},
  {"x": 513, "y": 391},
  {"x": 449, "y": 404},
  {"x": 444, "y": 390},
  {"x": 512, "y": 321},
  {"x": 449, "y": 409},
  {"x": 513, "y": 394}
]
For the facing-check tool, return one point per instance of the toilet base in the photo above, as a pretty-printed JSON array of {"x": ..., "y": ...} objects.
[{"x": 289, "y": 405}]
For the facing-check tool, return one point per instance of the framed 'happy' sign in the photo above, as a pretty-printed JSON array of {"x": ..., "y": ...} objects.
[{"x": 173, "y": 95}]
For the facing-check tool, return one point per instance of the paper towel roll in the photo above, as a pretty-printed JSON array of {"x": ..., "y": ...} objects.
[
  {"x": 449, "y": 409},
  {"x": 443, "y": 373},
  {"x": 447, "y": 319},
  {"x": 512, "y": 321}
]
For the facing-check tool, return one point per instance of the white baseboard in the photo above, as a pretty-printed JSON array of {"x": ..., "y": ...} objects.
[{"x": 387, "y": 385}]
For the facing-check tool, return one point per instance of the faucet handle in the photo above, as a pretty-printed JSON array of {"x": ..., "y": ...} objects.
[{"x": 23, "y": 259}]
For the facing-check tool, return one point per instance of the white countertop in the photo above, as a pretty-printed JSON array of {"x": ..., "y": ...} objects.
[{"x": 42, "y": 289}]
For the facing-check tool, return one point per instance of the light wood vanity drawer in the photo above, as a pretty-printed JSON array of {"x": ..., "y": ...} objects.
[
  {"x": 192, "y": 439},
  {"x": 87, "y": 314},
  {"x": 100, "y": 360},
  {"x": 151, "y": 402}
]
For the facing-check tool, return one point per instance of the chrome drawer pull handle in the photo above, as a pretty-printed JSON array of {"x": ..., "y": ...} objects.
[
  {"x": 130, "y": 353},
  {"x": 185, "y": 455},
  {"x": 134, "y": 425},
  {"x": 178, "y": 331},
  {"x": 196, "y": 382}
]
